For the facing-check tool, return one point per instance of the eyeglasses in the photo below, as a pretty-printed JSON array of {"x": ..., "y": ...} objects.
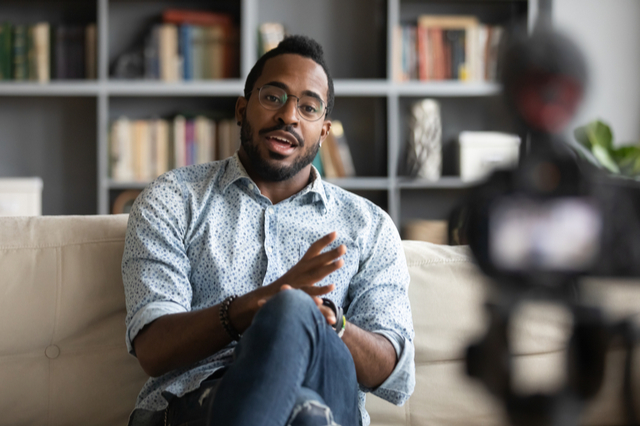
[{"x": 310, "y": 108}]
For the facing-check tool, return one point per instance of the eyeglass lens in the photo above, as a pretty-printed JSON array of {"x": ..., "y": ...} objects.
[{"x": 273, "y": 98}]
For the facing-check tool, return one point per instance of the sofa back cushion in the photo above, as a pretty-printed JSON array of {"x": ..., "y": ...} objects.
[{"x": 63, "y": 359}]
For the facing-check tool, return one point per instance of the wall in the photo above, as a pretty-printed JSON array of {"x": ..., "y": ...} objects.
[{"x": 608, "y": 32}]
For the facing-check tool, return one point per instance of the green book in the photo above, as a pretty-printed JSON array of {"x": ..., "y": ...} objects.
[
  {"x": 317, "y": 163},
  {"x": 20, "y": 65},
  {"x": 5, "y": 51}
]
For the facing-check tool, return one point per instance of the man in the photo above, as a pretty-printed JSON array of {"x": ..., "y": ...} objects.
[{"x": 226, "y": 264}]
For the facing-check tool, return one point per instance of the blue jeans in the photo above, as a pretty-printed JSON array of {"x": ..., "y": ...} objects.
[{"x": 290, "y": 367}]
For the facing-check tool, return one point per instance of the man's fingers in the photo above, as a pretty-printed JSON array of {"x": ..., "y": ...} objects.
[
  {"x": 328, "y": 314},
  {"x": 331, "y": 255},
  {"x": 317, "y": 246},
  {"x": 315, "y": 291}
]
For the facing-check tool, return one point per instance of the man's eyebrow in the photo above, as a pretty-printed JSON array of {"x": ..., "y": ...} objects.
[{"x": 286, "y": 88}]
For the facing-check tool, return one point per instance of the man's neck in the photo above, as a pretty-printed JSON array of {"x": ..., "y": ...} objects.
[{"x": 277, "y": 191}]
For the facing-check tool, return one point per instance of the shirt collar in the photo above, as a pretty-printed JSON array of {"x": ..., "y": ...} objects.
[{"x": 235, "y": 171}]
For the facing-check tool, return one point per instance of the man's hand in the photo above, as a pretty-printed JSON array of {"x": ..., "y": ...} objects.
[{"x": 312, "y": 268}]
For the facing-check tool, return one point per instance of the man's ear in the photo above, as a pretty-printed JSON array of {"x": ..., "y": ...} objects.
[
  {"x": 326, "y": 128},
  {"x": 241, "y": 108}
]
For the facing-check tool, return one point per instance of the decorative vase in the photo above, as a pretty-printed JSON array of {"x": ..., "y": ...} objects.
[{"x": 424, "y": 156}]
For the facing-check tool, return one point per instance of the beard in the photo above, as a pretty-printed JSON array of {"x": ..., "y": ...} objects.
[{"x": 263, "y": 167}]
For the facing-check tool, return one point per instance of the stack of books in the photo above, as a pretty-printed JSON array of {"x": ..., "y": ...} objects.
[
  {"x": 444, "y": 47},
  {"x": 42, "y": 52},
  {"x": 142, "y": 150},
  {"x": 192, "y": 45}
]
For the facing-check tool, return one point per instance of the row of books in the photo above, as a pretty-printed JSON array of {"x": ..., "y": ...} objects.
[
  {"x": 141, "y": 150},
  {"x": 192, "y": 45},
  {"x": 334, "y": 159},
  {"x": 444, "y": 47},
  {"x": 43, "y": 52}
]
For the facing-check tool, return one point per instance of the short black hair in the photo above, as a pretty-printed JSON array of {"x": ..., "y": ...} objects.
[{"x": 298, "y": 45}]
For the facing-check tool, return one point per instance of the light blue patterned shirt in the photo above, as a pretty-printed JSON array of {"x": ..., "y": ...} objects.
[{"x": 201, "y": 233}]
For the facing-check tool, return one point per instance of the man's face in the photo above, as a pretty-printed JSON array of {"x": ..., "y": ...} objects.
[{"x": 278, "y": 144}]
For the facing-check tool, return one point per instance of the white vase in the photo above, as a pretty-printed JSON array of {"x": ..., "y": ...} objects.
[{"x": 425, "y": 140}]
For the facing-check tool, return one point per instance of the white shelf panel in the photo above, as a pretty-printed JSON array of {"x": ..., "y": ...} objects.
[
  {"x": 355, "y": 87},
  {"x": 230, "y": 87},
  {"x": 447, "y": 88},
  {"x": 360, "y": 183},
  {"x": 126, "y": 185},
  {"x": 54, "y": 88},
  {"x": 445, "y": 182}
]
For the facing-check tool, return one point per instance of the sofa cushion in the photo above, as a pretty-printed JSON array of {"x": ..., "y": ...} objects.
[{"x": 63, "y": 358}]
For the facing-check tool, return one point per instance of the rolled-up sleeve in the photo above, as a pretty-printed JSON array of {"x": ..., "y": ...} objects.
[
  {"x": 155, "y": 267},
  {"x": 380, "y": 303}
]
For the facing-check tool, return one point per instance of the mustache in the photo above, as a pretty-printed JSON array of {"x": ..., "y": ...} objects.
[{"x": 286, "y": 128}]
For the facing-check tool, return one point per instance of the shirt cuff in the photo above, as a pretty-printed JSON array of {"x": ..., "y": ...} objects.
[
  {"x": 397, "y": 388},
  {"x": 148, "y": 314}
]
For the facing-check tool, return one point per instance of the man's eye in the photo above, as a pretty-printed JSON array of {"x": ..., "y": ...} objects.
[
  {"x": 273, "y": 99},
  {"x": 309, "y": 108}
]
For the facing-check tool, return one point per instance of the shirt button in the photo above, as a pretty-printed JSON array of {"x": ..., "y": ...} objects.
[
  {"x": 270, "y": 210},
  {"x": 250, "y": 186},
  {"x": 268, "y": 250}
]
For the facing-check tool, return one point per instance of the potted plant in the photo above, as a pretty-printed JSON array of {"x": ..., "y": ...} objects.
[{"x": 597, "y": 137}]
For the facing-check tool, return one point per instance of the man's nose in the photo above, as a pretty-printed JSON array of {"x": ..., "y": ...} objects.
[{"x": 288, "y": 113}]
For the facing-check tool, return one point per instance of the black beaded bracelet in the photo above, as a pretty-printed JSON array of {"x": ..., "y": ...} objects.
[{"x": 224, "y": 318}]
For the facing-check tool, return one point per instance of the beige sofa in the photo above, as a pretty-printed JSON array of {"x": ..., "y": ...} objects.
[{"x": 63, "y": 358}]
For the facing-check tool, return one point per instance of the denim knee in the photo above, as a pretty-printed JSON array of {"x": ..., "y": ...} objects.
[
  {"x": 289, "y": 308},
  {"x": 310, "y": 410}
]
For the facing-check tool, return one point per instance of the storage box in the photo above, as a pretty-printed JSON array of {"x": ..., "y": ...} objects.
[
  {"x": 483, "y": 152},
  {"x": 20, "y": 196}
]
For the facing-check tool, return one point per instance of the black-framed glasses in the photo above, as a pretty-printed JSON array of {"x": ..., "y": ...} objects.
[{"x": 309, "y": 107}]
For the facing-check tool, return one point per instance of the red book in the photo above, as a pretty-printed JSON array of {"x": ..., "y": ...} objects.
[
  {"x": 196, "y": 17},
  {"x": 424, "y": 53}
]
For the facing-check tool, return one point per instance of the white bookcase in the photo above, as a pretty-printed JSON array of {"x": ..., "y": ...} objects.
[{"x": 59, "y": 130}]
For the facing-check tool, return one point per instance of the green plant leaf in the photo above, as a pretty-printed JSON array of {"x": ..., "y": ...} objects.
[
  {"x": 600, "y": 134},
  {"x": 603, "y": 156},
  {"x": 580, "y": 133},
  {"x": 628, "y": 159}
]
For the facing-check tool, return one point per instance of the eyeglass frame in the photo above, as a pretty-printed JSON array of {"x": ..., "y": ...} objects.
[{"x": 324, "y": 104}]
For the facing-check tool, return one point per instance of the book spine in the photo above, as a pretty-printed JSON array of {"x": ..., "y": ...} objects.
[
  {"x": 168, "y": 52},
  {"x": 179, "y": 143},
  {"x": 198, "y": 52},
  {"x": 41, "y": 34},
  {"x": 196, "y": 17},
  {"x": 317, "y": 163},
  {"x": 91, "y": 52},
  {"x": 32, "y": 65},
  {"x": 76, "y": 56},
  {"x": 151, "y": 54},
  {"x": 5, "y": 51},
  {"x": 20, "y": 70},
  {"x": 190, "y": 142},
  {"x": 186, "y": 50},
  {"x": 215, "y": 43},
  {"x": 61, "y": 52}
]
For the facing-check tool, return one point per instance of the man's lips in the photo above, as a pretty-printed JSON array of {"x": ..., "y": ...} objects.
[
  {"x": 283, "y": 137},
  {"x": 279, "y": 145}
]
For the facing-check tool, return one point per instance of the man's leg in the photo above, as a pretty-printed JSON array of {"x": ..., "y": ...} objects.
[
  {"x": 288, "y": 346},
  {"x": 310, "y": 410}
]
